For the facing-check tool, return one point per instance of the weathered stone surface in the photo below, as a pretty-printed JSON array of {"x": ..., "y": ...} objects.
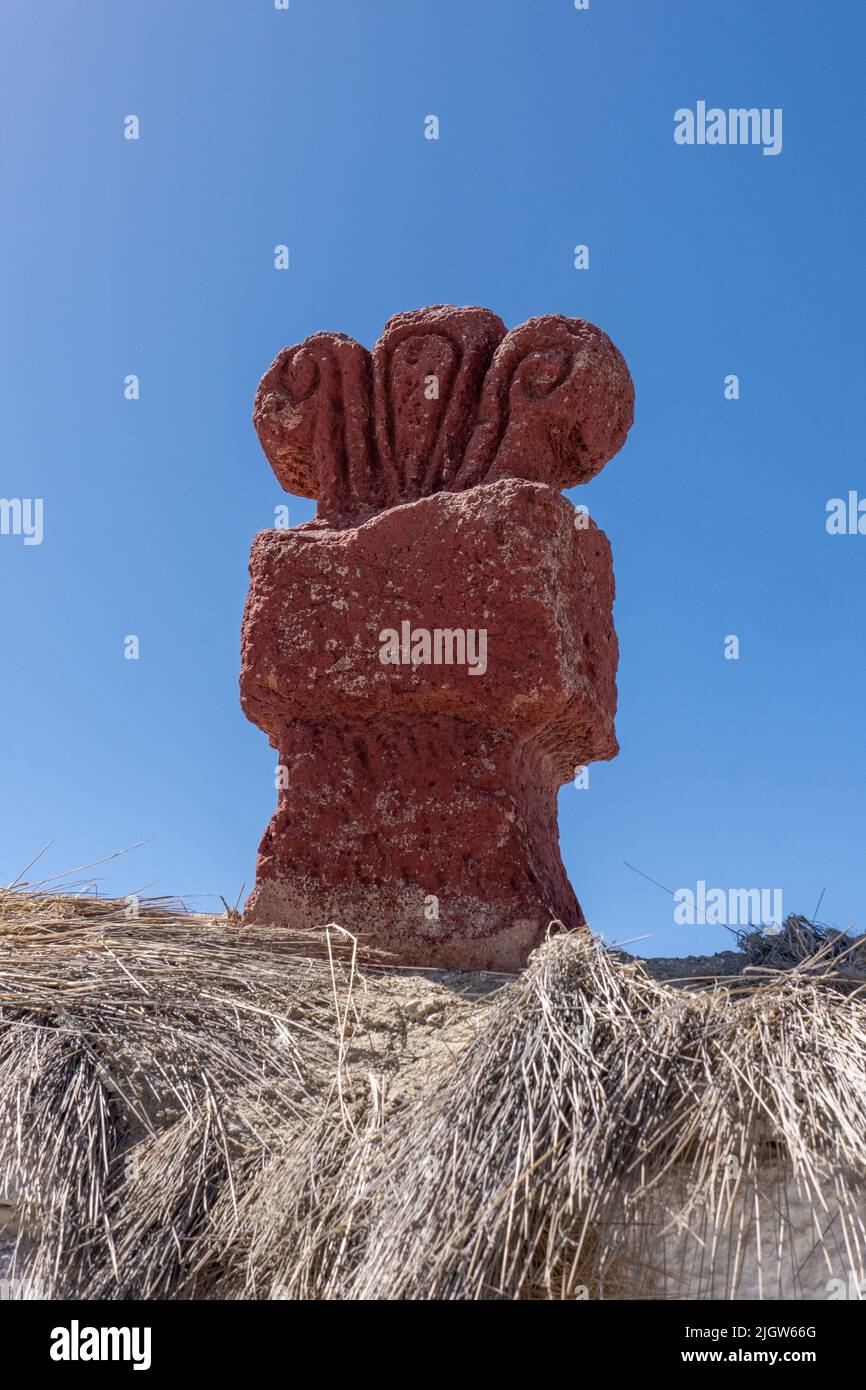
[
  {"x": 551, "y": 401},
  {"x": 557, "y": 404},
  {"x": 435, "y": 654}
]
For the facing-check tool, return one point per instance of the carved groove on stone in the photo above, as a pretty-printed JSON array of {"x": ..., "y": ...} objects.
[{"x": 550, "y": 401}]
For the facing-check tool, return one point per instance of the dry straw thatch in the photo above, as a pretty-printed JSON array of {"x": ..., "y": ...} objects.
[{"x": 194, "y": 1109}]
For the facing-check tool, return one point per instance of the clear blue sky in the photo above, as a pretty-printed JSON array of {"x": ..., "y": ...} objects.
[{"x": 305, "y": 127}]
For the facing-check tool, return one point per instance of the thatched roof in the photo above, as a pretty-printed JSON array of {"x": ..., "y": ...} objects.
[{"x": 194, "y": 1109}]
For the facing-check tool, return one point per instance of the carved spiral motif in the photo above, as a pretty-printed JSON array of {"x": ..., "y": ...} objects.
[{"x": 446, "y": 400}]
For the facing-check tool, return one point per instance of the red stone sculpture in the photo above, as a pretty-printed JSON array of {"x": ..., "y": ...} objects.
[{"x": 434, "y": 655}]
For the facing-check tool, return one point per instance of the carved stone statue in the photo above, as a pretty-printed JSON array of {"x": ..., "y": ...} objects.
[{"x": 434, "y": 655}]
